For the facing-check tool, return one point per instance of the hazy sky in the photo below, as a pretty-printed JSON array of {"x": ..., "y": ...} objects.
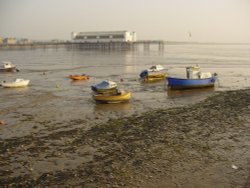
[{"x": 171, "y": 20}]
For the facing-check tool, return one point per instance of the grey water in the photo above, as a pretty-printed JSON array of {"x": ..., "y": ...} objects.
[{"x": 51, "y": 99}]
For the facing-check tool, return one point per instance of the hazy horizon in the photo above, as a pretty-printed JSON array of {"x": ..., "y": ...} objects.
[{"x": 220, "y": 21}]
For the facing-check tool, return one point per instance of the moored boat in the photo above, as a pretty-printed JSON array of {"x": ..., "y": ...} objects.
[
  {"x": 154, "y": 77},
  {"x": 105, "y": 87},
  {"x": 182, "y": 83},
  {"x": 79, "y": 77},
  {"x": 118, "y": 97},
  {"x": 8, "y": 67},
  {"x": 19, "y": 82},
  {"x": 154, "y": 73},
  {"x": 195, "y": 79}
]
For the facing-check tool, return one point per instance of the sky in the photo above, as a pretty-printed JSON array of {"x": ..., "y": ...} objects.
[{"x": 169, "y": 20}]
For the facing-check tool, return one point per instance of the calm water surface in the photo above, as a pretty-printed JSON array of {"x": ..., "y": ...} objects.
[{"x": 51, "y": 100}]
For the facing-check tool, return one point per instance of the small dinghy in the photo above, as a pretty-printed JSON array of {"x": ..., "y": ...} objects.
[
  {"x": 154, "y": 73},
  {"x": 79, "y": 77},
  {"x": 19, "y": 82},
  {"x": 8, "y": 67}
]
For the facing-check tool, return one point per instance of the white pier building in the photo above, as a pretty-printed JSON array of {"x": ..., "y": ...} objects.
[{"x": 103, "y": 36}]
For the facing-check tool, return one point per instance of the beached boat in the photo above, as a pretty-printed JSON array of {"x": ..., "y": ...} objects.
[
  {"x": 8, "y": 67},
  {"x": 118, "y": 97},
  {"x": 105, "y": 87},
  {"x": 154, "y": 73},
  {"x": 182, "y": 83},
  {"x": 154, "y": 77},
  {"x": 195, "y": 79},
  {"x": 79, "y": 77},
  {"x": 17, "y": 83}
]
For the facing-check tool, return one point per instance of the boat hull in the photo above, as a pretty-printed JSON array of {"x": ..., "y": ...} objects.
[
  {"x": 117, "y": 98},
  {"x": 78, "y": 77},
  {"x": 179, "y": 83},
  {"x": 104, "y": 91},
  {"x": 154, "y": 77},
  {"x": 15, "y": 84},
  {"x": 11, "y": 69}
]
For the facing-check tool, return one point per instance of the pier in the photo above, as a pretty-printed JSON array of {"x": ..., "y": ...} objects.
[
  {"x": 44, "y": 45},
  {"x": 104, "y": 46},
  {"x": 145, "y": 44},
  {"x": 121, "y": 45}
]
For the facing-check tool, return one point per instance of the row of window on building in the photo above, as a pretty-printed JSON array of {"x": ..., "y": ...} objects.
[
  {"x": 12, "y": 40},
  {"x": 100, "y": 37}
]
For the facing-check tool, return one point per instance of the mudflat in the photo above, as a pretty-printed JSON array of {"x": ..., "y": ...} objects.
[{"x": 206, "y": 144}]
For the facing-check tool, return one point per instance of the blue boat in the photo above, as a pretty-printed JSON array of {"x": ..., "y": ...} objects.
[
  {"x": 195, "y": 79},
  {"x": 182, "y": 83}
]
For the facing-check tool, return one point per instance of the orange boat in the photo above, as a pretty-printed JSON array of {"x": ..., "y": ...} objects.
[{"x": 78, "y": 77}]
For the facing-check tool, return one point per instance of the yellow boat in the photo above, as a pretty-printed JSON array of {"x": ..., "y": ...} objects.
[
  {"x": 155, "y": 77},
  {"x": 119, "y": 97},
  {"x": 153, "y": 74}
]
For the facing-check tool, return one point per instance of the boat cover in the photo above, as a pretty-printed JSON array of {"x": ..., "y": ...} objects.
[{"x": 105, "y": 85}]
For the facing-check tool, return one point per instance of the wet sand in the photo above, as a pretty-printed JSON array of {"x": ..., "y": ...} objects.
[{"x": 198, "y": 145}]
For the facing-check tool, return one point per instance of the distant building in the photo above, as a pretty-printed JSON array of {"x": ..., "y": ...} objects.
[
  {"x": 24, "y": 41},
  {"x": 10, "y": 41},
  {"x": 1, "y": 40},
  {"x": 104, "y": 36}
]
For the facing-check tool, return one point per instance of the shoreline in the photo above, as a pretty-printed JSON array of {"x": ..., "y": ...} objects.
[{"x": 194, "y": 145}]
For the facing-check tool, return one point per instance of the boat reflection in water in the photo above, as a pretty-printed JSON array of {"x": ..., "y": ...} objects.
[
  {"x": 190, "y": 92},
  {"x": 161, "y": 83},
  {"x": 78, "y": 82},
  {"x": 153, "y": 82},
  {"x": 112, "y": 107}
]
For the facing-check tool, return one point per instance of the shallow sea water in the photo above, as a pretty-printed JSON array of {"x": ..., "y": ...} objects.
[{"x": 52, "y": 101}]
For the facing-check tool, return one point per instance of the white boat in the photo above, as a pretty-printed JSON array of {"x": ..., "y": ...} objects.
[
  {"x": 154, "y": 73},
  {"x": 105, "y": 87},
  {"x": 8, "y": 67},
  {"x": 19, "y": 82},
  {"x": 156, "y": 68}
]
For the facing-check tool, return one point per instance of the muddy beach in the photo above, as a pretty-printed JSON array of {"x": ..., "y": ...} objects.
[{"x": 199, "y": 145}]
